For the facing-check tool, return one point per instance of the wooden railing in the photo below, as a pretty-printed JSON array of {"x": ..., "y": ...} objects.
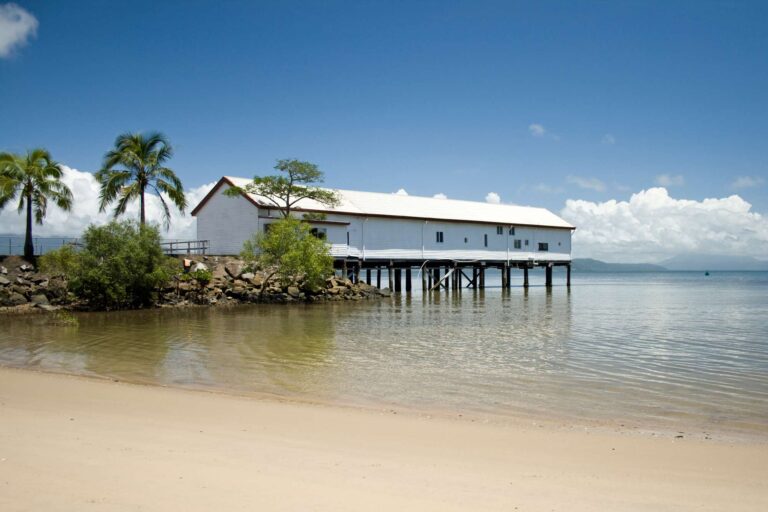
[{"x": 185, "y": 247}]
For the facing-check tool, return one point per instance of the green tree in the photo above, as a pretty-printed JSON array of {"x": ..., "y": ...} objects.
[
  {"x": 289, "y": 251},
  {"x": 121, "y": 265},
  {"x": 284, "y": 191},
  {"x": 136, "y": 166},
  {"x": 35, "y": 178}
]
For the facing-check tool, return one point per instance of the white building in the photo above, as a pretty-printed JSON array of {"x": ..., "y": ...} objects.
[{"x": 378, "y": 229}]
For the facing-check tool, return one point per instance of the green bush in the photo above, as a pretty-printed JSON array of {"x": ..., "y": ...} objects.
[
  {"x": 202, "y": 276},
  {"x": 291, "y": 252},
  {"x": 120, "y": 266},
  {"x": 59, "y": 262}
]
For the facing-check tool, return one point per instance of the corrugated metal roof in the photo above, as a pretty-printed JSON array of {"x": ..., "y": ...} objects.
[{"x": 393, "y": 205}]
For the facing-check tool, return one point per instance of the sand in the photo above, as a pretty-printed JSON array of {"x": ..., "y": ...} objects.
[{"x": 74, "y": 444}]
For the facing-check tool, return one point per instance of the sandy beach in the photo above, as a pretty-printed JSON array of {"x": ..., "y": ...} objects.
[{"x": 72, "y": 444}]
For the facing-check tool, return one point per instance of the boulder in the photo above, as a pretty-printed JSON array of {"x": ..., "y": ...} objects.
[
  {"x": 3, "y": 270},
  {"x": 39, "y": 298},
  {"x": 234, "y": 269},
  {"x": 47, "y": 307},
  {"x": 16, "y": 299},
  {"x": 385, "y": 292},
  {"x": 247, "y": 276},
  {"x": 4, "y": 281},
  {"x": 39, "y": 278},
  {"x": 294, "y": 291},
  {"x": 25, "y": 268},
  {"x": 335, "y": 290}
]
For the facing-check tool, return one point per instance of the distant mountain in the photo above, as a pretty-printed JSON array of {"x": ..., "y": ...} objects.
[
  {"x": 592, "y": 265},
  {"x": 703, "y": 262}
]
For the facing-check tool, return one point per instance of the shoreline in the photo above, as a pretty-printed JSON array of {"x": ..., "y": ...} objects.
[{"x": 69, "y": 441}]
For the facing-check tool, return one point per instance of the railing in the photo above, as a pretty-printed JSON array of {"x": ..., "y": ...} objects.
[
  {"x": 185, "y": 247},
  {"x": 13, "y": 245}
]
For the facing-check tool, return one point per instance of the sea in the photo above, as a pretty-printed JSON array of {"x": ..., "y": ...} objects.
[{"x": 661, "y": 352}]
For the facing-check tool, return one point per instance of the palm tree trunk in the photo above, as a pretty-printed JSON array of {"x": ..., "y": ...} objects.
[
  {"x": 29, "y": 248},
  {"x": 143, "y": 219}
]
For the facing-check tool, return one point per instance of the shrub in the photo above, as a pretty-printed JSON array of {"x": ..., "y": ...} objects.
[
  {"x": 120, "y": 266},
  {"x": 291, "y": 252},
  {"x": 59, "y": 262},
  {"x": 202, "y": 276}
]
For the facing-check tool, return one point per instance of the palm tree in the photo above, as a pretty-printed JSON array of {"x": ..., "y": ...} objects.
[
  {"x": 35, "y": 179},
  {"x": 134, "y": 166}
]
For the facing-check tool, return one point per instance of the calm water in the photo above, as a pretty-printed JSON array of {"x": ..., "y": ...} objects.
[{"x": 661, "y": 350}]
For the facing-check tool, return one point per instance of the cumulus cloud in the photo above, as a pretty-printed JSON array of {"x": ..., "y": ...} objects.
[
  {"x": 587, "y": 183},
  {"x": 401, "y": 192},
  {"x": 85, "y": 211},
  {"x": 440, "y": 195},
  {"x": 666, "y": 180},
  {"x": 747, "y": 182},
  {"x": 652, "y": 226},
  {"x": 537, "y": 130},
  {"x": 493, "y": 198},
  {"x": 608, "y": 139},
  {"x": 17, "y": 26}
]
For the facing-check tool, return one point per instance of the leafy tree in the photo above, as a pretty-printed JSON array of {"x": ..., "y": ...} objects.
[
  {"x": 284, "y": 191},
  {"x": 120, "y": 266},
  {"x": 34, "y": 178},
  {"x": 289, "y": 251},
  {"x": 62, "y": 261},
  {"x": 136, "y": 166}
]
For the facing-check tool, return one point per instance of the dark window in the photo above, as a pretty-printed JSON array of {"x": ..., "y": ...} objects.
[
  {"x": 499, "y": 230},
  {"x": 320, "y": 233},
  {"x": 526, "y": 243},
  {"x": 518, "y": 244},
  {"x": 512, "y": 231},
  {"x": 439, "y": 237},
  {"x": 485, "y": 240},
  {"x": 543, "y": 246},
  {"x": 266, "y": 227},
  {"x": 347, "y": 237},
  {"x": 466, "y": 240}
]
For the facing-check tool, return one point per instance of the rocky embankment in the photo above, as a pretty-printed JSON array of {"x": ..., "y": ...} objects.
[
  {"x": 232, "y": 283},
  {"x": 22, "y": 288}
]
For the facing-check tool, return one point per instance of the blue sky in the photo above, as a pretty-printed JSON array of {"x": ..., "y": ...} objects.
[{"x": 539, "y": 102}]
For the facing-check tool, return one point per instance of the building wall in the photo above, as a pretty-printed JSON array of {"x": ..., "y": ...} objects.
[{"x": 227, "y": 222}]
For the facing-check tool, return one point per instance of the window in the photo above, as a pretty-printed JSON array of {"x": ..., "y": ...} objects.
[
  {"x": 347, "y": 237},
  {"x": 499, "y": 230},
  {"x": 466, "y": 240},
  {"x": 321, "y": 233},
  {"x": 266, "y": 227},
  {"x": 439, "y": 237},
  {"x": 543, "y": 246},
  {"x": 512, "y": 231},
  {"x": 518, "y": 244},
  {"x": 485, "y": 240},
  {"x": 526, "y": 243}
]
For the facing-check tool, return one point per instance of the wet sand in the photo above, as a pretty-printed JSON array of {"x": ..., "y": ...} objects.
[{"x": 72, "y": 444}]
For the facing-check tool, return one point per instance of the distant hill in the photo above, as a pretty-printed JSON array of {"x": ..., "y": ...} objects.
[
  {"x": 702, "y": 262},
  {"x": 592, "y": 265}
]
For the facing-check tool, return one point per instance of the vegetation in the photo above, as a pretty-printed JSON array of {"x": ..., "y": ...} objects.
[
  {"x": 59, "y": 262},
  {"x": 136, "y": 166},
  {"x": 35, "y": 178},
  {"x": 291, "y": 253},
  {"x": 121, "y": 265},
  {"x": 284, "y": 191}
]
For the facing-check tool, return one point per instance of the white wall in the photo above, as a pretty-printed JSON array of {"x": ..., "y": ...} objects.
[{"x": 227, "y": 222}]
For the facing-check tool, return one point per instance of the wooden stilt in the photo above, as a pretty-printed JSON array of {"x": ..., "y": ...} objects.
[
  {"x": 398, "y": 280},
  {"x": 378, "y": 277},
  {"x": 391, "y": 275},
  {"x": 436, "y": 271},
  {"x": 475, "y": 273},
  {"x": 424, "y": 280},
  {"x": 504, "y": 277},
  {"x": 482, "y": 277},
  {"x": 509, "y": 276},
  {"x": 357, "y": 273},
  {"x": 408, "y": 279},
  {"x": 345, "y": 273},
  {"x": 549, "y": 276},
  {"x": 568, "y": 275},
  {"x": 459, "y": 278},
  {"x": 525, "y": 277},
  {"x": 368, "y": 276},
  {"x": 428, "y": 271}
]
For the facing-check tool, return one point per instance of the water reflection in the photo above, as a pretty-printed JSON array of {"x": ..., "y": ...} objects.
[{"x": 658, "y": 349}]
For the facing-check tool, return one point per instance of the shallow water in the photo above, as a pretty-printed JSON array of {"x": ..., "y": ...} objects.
[{"x": 672, "y": 350}]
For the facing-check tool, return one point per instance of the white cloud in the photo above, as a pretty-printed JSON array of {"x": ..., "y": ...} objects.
[
  {"x": 401, "y": 192},
  {"x": 608, "y": 139},
  {"x": 16, "y": 27},
  {"x": 547, "y": 189},
  {"x": 652, "y": 226},
  {"x": 587, "y": 183},
  {"x": 537, "y": 130},
  {"x": 85, "y": 211},
  {"x": 747, "y": 182},
  {"x": 440, "y": 195},
  {"x": 666, "y": 180},
  {"x": 493, "y": 198}
]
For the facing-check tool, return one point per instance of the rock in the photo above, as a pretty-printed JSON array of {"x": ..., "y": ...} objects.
[
  {"x": 347, "y": 283},
  {"x": 16, "y": 299},
  {"x": 39, "y": 278},
  {"x": 385, "y": 292},
  {"x": 247, "y": 276},
  {"x": 335, "y": 290},
  {"x": 25, "y": 268},
  {"x": 234, "y": 269},
  {"x": 47, "y": 307},
  {"x": 200, "y": 266},
  {"x": 3, "y": 270},
  {"x": 4, "y": 281},
  {"x": 21, "y": 281},
  {"x": 294, "y": 291},
  {"x": 39, "y": 299},
  {"x": 185, "y": 287}
]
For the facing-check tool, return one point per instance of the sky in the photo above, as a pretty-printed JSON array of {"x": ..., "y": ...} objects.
[{"x": 642, "y": 123}]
